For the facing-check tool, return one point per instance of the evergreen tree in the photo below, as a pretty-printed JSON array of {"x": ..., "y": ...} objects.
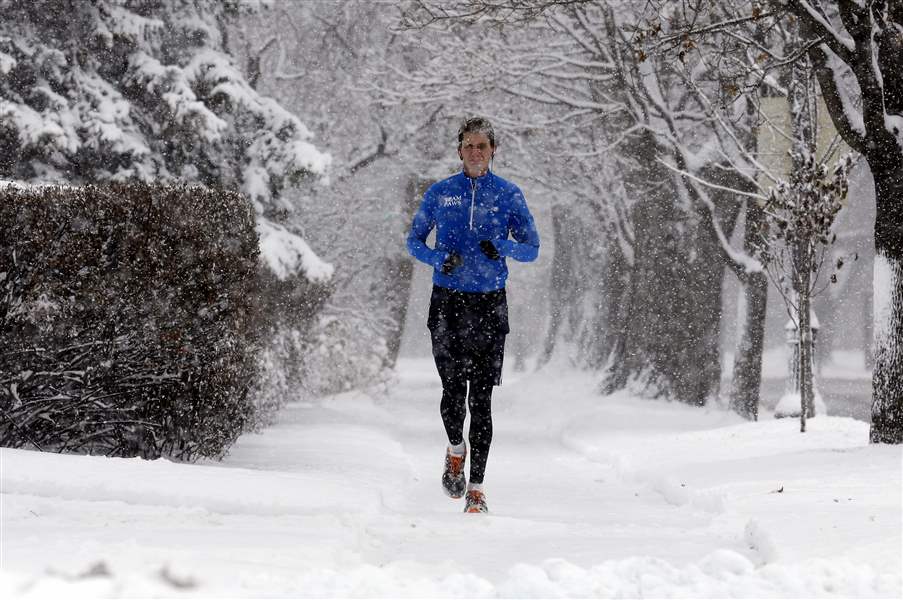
[{"x": 140, "y": 89}]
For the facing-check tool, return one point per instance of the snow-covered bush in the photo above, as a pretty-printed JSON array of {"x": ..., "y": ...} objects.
[
  {"x": 287, "y": 304},
  {"x": 277, "y": 362},
  {"x": 127, "y": 318},
  {"x": 343, "y": 353}
]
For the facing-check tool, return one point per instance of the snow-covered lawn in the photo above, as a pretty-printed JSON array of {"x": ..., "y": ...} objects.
[{"x": 590, "y": 496}]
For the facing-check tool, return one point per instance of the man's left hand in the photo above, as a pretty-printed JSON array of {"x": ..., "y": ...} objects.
[{"x": 489, "y": 250}]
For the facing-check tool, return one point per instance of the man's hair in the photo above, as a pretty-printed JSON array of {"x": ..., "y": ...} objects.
[{"x": 476, "y": 125}]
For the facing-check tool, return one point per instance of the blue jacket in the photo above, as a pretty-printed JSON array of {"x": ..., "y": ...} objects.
[{"x": 465, "y": 211}]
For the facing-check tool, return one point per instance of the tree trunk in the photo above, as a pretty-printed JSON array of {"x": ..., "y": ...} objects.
[
  {"x": 747, "y": 377},
  {"x": 399, "y": 275},
  {"x": 400, "y": 270},
  {"x": 608, "y": 295},
  {"x": 671, "y": 323},
  {"x": 561, "y": 281},
  {"x": 746, "y": 381},
  {"x": 801, "y": 96},
  {"x": 868, "y": 320},
  {"x": 804, "y": 280},
  {"x": 586, "y": 289},
  {"x": 887, "y": 391}
]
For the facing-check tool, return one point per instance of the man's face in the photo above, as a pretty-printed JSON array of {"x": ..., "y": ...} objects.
[{"x": 476, "y": 152}]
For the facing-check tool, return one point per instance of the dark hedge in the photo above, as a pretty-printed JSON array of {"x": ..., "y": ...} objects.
[{"x": 126, "y": 319}]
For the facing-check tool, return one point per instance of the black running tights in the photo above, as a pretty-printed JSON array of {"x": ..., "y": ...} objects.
[{"x": 453, "y": 411}]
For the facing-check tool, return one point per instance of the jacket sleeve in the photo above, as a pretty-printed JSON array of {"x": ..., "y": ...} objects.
[
  {"x": 525, "y": 245},
  {"x": 424, "y": 222}
]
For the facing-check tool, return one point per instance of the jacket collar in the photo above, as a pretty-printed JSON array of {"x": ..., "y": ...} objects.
[{"x": 481, "y": 179}]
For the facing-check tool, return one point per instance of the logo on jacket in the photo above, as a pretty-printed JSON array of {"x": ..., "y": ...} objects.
[{"x": 451, "y": 201}]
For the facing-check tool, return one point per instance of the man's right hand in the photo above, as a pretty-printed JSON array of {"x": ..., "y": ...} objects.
[{"x": 452, "y": 262}]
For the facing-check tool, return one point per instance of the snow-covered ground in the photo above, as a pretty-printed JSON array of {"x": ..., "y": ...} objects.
[{"x": 590, "y": 496}]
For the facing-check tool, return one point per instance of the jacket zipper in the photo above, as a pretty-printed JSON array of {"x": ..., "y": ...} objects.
[{"x": 473, "y": 197}]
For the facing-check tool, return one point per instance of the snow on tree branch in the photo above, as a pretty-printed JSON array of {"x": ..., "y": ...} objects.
[
  {"x": 840, "y": 44},
  {"x": 115, "y": 90},
  {"x": 128, "y": 91}
]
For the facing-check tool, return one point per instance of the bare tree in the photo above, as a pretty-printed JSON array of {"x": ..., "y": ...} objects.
[
  {"x": 857, "y": 53},
  {"x": 317, "y": 59},
  {"x": 602, "y": 103},
  {"x": 800, "y": 215}
]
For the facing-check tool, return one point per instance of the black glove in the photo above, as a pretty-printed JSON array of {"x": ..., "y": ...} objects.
[
  {"x": 452, "y": 262},
  {"x": 489, "y": 250}
]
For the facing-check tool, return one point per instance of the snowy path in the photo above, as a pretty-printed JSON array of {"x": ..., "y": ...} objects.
[{"x": 589, "y": 496}]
